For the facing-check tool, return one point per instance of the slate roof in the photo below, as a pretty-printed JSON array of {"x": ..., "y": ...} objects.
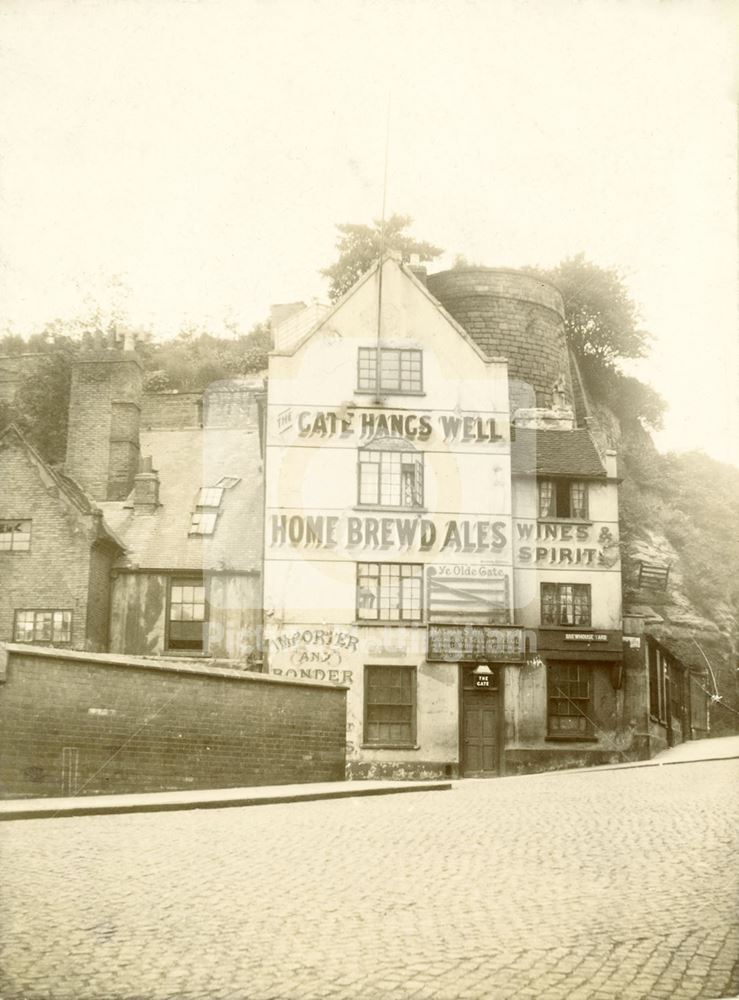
[
  {"x": 186, "y": 460},
  {"x": 556, "y": 453}
]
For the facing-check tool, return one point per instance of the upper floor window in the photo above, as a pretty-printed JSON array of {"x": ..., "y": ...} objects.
[
  {"x": 391, "y": 478},
  {"x": 15, "y": 536},
  {"x": 563, "y": 498},
  {"x": 43, "y": 626},
  {"x": 187, "y": 615},
  {"x": 389, "y": 592},
  {"x": 401, "y": 370},
  {"x": 565, "y": 604}
]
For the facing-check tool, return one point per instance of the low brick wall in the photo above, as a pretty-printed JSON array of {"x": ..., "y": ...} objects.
[{"x": 74, "y": 723}]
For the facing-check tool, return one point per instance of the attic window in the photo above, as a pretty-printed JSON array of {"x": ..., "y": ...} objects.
[
  {"x": 210, "y": 496},
  {"x": 207, "y": 507},
  {"x": 203, "y": 522},
  {"x": 227, "y": 482}
]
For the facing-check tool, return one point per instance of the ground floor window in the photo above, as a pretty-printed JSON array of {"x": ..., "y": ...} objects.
[
  {"x": 390, "y": 706},
  {"x": 187, "y": 614},
  {"x": 43, "y": 626},
  {"x": 570, "y": 699}
]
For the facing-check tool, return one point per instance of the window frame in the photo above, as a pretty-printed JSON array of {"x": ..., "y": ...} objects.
[
  {"x": 14, "y": 532},
  {"x": 564, "y": 694},
  {"x": 414, "y": 353},
  {"x": 389, "y": 743},
  {"x": 404, "y": 458},
  {"x": 194, "y": 581},
  {"x": 54, "y": 641},
  {"x": 558, "y": 484},
  {"x": 581, "y": 589},
  {"x": 400, "y": 620}
]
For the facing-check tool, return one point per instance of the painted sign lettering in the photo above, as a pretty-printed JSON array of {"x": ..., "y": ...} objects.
[
  {"x": 390, "y": 533},
  {"x": 468, "y": 428},
  {"x": 551, "y": 544},
  {"x": 311, "y": 674},
  {"x": 485, "y": 643}
]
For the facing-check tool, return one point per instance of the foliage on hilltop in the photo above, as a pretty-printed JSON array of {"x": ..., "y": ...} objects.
[
  {"x": 189, "y": 362},
  {"x": 195, "y": 358}
]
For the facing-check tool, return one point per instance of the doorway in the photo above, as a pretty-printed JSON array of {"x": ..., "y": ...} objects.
[{"x": 479, "y": 723}]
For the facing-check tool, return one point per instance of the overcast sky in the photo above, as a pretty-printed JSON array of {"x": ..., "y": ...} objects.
[{"x": 203, "y": 151}]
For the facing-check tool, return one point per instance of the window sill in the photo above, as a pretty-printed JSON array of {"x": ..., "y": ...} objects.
[
  {"x": 571, "y": 739},
  {"x": 566, "y": 520},
  {"x": 389, "y": 746},
  {"x": 187, "y": 653},
  {"x": 391, "y": 510},
  {"x": 389, "y": 392},
  {"x": 571, "y": 628},
  {"x": 375, "y": 623}
]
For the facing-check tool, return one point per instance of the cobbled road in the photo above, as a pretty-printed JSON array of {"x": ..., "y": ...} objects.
[{"x": 607, "y": 884}]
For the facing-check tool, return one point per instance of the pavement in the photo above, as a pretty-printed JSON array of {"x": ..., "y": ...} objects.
[
  {"x": 722, "y": 748},
  {"x": 580, "y": 885},
  {"x": 208, "y": 798}
]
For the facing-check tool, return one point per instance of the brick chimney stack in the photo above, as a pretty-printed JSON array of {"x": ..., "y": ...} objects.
[
  {"x": 104, "y": 416},
  {"x": 146, "y": 488}
]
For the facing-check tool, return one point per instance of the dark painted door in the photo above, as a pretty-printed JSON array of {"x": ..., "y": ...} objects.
[{"x": 480, "y": 732}]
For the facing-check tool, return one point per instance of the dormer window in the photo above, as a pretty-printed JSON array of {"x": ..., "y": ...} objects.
[
  {"x": 563, "y": 498},
  {"x": 401, "y": 370}
]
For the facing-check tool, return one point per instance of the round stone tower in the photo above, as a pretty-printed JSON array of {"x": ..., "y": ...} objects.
[{"x": 517, "y": 316}]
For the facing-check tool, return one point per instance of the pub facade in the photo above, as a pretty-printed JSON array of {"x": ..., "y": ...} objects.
[{"x": 440, "y": 537}]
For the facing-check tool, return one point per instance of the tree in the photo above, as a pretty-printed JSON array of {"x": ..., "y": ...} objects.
[
  {"x": 360, "y": 247},
  {"x": 41, "y": 401},
  {"x": 602, "y": 329},
  {"x": 601, "y": 318}
]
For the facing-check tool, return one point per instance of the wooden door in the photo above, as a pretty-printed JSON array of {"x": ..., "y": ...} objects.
[{"x": 480, "y": 736}]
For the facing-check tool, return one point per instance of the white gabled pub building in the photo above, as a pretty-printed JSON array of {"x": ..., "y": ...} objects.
[{"x": 439, "y": 535}]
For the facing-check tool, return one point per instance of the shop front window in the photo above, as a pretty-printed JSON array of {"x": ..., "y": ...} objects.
[{"x": 569, "y": 689}]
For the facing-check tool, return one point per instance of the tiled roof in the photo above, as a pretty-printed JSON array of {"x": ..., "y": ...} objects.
[
  {"x": 187, "y": 460},
  {"x": 65, "y": 486},
  {"x": 556, "y": 453}
]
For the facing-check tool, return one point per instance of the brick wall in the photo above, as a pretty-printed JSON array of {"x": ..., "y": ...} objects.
[
  {"x": 55, "y": 573},
  {"x": 86, "y": 724},
  {"x": 163, "y": 410},
  {"x": 511, "y": 315},
  {"x": 102, "y": 437}
]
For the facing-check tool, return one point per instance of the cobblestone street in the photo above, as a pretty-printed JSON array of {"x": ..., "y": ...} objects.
[{"x": 604, "y": 884}]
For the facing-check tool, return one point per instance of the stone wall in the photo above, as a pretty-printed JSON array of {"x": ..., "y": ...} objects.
[{"x": 512, "y": 315}]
